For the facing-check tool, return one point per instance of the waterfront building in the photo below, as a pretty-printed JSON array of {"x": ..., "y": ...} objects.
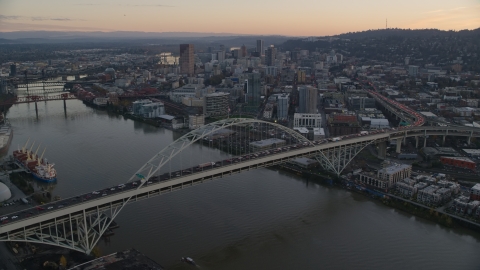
[
  {"x": 433, "y": 195},
  {"x": 187, "y": 60},
  {"x": 152, "y": 110},
  {"x": 305, "y": 163},
  {"x": 196, "y": 121},
  {"x": 148, "y": 109},
  {"x": 388, "y": 176}
]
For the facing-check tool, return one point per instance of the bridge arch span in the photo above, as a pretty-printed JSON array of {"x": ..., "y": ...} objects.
[{"x": 152, "y": 166}]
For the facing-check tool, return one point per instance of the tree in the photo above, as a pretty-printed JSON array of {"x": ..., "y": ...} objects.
[
  {"x": 96, "y": 252},
  {"x": 63, "y": 261}
]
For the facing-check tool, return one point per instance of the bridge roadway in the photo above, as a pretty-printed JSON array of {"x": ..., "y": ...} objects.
[{"x": 112, "y": 197}]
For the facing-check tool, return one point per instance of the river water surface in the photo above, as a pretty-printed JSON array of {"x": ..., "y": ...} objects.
[{"x": 262, "y": 219}]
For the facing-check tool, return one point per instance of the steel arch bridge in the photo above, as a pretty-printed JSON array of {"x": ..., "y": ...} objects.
[{"x": 81, "y": 221}]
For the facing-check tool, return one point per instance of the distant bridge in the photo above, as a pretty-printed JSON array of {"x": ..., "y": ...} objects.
[{"x": 35, "y": 99}]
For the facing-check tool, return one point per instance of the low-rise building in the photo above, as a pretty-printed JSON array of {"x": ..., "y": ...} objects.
[
  {"x": 459, "y": 162},
  {"x": 216, "y": 104},
  {"x": 307, "y": 120},
  {"x": 388, "y": 176},
  {"x": 475, "y": 192},
  {"x": 305, "y": 163},
  {"x": 196, "y": 121},
  {"x": 266, "y": 144},
  {"x": 406, "y": 189}
]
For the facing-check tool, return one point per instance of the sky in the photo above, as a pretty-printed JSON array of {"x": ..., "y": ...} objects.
[{"x": 262, "y": 17}]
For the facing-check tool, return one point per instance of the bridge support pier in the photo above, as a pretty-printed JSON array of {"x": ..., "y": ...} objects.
[
  {"x": 65, "y": 106},
  {"x": 443, "y": 140},
  {"x": 337, "y": 158},
  {"x": 425, "y": 141},
  {"x": 382, "y": 150},
  {"x": 399, "y": 145},
  {"x": 416, "y": 141}
]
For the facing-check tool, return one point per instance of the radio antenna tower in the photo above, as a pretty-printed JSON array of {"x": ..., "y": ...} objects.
[{"x": 386, "y": 23}]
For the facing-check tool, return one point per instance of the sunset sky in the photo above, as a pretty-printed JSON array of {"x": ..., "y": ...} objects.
[{"x": 287, "y": 17}]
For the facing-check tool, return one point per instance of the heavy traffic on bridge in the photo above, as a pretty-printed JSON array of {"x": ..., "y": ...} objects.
[{"x": 142, "y": 182}]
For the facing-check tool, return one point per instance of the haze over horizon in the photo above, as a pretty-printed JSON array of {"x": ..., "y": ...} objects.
[{"x": 267, "y": 17}]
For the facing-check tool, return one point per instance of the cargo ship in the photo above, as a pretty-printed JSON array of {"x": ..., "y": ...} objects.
[
  {"x": 6, "y": 134},
  {"x": 39, "y": 167}
]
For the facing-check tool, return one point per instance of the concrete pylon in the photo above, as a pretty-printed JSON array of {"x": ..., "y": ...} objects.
[
  {"x": 416, "y": 141},
  {"x": 425, "y": 142},
  {"x": 399, "y": 145},
  {"x": 443, "y": 140},
  {"x": 382, "y": 150}
]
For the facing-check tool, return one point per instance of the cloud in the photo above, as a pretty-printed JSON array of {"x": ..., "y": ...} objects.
[
  {"x": 7, "y": 17},
  {"x": 39, "y": 26},
  {"x": 36, "y": 18},
  {"x": 126, "y": 5},
  {"x": 433, "y": 11},
  {"x": 453, "y": 19}
]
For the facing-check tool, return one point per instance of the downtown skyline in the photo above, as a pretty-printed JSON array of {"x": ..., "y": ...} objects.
[{"x": 289, "y": 18}]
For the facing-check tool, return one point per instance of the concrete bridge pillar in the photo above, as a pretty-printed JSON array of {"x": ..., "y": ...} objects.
[
  {"x": 382, "y": 150},
  {"x": 425, "y": 141},
  {"x": 443, "y": 140},
  {"x": 399, "y": 145},
  {"x": 416, "y": 141}
]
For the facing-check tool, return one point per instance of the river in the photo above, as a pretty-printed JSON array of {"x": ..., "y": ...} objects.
[{"x": 262, "y": 219}]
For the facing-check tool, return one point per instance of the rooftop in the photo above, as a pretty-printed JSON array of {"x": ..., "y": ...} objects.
[
  {"x": 394, "y": 168},
  {"x": 267, "y": 142}
]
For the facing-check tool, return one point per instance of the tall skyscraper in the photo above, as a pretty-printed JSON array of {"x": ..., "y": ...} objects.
[
  {"x": 307, "y": 100},
  {"x": 270, "y": 56},
  {"x": 260, "y": 47},
  {"x": 187, "y": 60},
  {"x": 253, "y": 89},
  {"x": 243, "y": 51},
  {"x": 13, "y": 70}
]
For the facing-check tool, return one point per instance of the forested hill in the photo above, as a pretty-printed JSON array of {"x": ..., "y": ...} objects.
[
  {"x": 389, "y": 34},
  {"x": 407, "y": 33}
]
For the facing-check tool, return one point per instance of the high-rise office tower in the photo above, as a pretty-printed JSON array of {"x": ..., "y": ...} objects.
[
  {"x": 307, "y": 100},
  {"x": 253, "y": 89},
  {"x": 13, "y": 70},
  {"x": 187, "y": 60},
  {"x": 270, "y": 56},
  {"x": 243, "y": 51},
  {"x": 260, "y": 47}
]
